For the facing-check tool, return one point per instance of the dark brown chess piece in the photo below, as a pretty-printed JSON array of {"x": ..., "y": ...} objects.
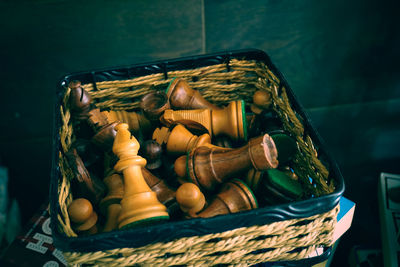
[
  {"x": 261, "y": 101},
  {"x": 82, "y": 108},
  {"x": 208, "y": 167},
  {"x": 182, "y": 96},
  {"x": 139, "y": 204},
  {"x": 152, "y": 151},
  {"x": 110, "y": 205},
  {"x": 230, "y": 121},
  {"x": 165, "y": 194},
  {"x": 82, "y": 216},
  {"x": 153, "y": 105},
  {"x": 88, "y": 186},
  {"x": 234, "y": 196}
]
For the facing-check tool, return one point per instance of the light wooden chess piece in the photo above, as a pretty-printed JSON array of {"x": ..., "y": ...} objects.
[
  {"x": 208, "y": 167},
  {"x": 139, "y": 204},
  {"x": 191, "y": 200},
  {"x": 136, "y": 121},
  {"x": 83, "y": 217},
  {"x": 261, "y": 101},
  {"x": 110, "y": 205},
  {"x": 180, "y": 140},
  {"x": 182, "y": 96},
  {"x": 230, "y": 121}
]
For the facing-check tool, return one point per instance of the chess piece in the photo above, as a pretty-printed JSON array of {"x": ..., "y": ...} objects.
[
  {"x": 136, "y": 121},
  {"x": 191, "y": 200},
  {"x": 154, "y": 104},
  {"x": 182, "y": 96},
  {"x": 235, "y": 196},
  {"x": 81, "y": 107},
  {"x": 230, "y": 120},
  {"x": 152, "y": 151},
  {"x": 165, "y": 194},
  {"x": 276, "y": 187},
  {"x": 208, "y": 167},
  {"x": 82, "y": 216},
  {"x": 286, "y": 146},
  {"x": 261, "y": 101},
  {"x": 110, "y": 205},
  {"x": 252, "y": 178},
  {"x": 88, "y": 186},
  {"x": 139, "y": 204}
]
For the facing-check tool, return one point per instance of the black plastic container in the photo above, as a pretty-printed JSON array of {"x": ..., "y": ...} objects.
[{"x": 168, "y": 231}]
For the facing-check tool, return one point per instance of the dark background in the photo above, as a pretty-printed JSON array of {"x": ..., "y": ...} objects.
[{"x": 341, "y": 58}]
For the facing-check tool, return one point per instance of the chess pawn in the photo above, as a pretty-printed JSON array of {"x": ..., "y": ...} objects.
[
  {"x": 165, "y": 194},
  {"x": 191, "y": 200},
  {"x": 83, "y": 217},
  {"x": 235, "y": 196},
  {"x": 208, "y": 167},
  {"x": 154, "y": 104},
  {"x": 261, "y": 101},
  {"x": 182, "y": 96},
  {"x": 230, "y": 120},
  {"x": 139, "y": 204},
  {"x": 87, "y": 185},
  {"x": 152, "y": 151},
  {"x": 110, "y": 205}
]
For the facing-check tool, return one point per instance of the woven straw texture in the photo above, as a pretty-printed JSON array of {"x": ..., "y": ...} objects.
[{"x": 285, "y": 240}]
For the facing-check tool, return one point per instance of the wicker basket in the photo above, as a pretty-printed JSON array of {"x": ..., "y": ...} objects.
[{"x": 288, "y": 232}]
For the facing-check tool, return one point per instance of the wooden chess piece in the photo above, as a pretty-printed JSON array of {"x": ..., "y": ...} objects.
[
  {"x": 285, "y": 144},
  {"x": 139, "y": 204},
  {"x": 182, "y": 96},
  {"x": 277, "y": 187},
  {"x": 165, "y": 194},
  {"x": 208, "y": 167},
  {"x": 261, "y": 101},
  {"x": 235, "y": 196},
  {"x": 81, "y": 107},
  {"x": 252, "y": 178},
  {"x": 154, "y": 104},
  {"x": 82, "y": 216},
  {"x": 191, "y": 200},
  {"x": 110, "y": 205},
  {"x": 88, "y": 186},
  {"x": 136, "y": 121},
  {"x": 230, "y": 120},
  {"x": 151, "y": 151}
]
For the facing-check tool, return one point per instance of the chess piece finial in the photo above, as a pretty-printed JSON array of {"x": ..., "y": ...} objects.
[
  {"x": 208, "y": 167},
  {"x": 110, "y": 205},
  {"x": 82, "y": 215},
  {"x": 191, "y": 200},
  {"x": 261, "y": 101},
  {"x": 230, "y": 120},
  {"x": 151, "y": 151},
  {"x": 154, "y": 104},
  {"x": 182, "y": 96},
  {"x": 87, "y": 185},
  {"x": 139, "y": 204},
  {"x": 235, "y": 196}
]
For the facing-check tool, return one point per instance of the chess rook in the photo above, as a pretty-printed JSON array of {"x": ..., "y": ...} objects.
[
  {"x": 230, "y": 121},
  {"x": 182, "y": 96},
  {"x": 153, "y": 105},
  {"x": 139, "y": 204}
]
